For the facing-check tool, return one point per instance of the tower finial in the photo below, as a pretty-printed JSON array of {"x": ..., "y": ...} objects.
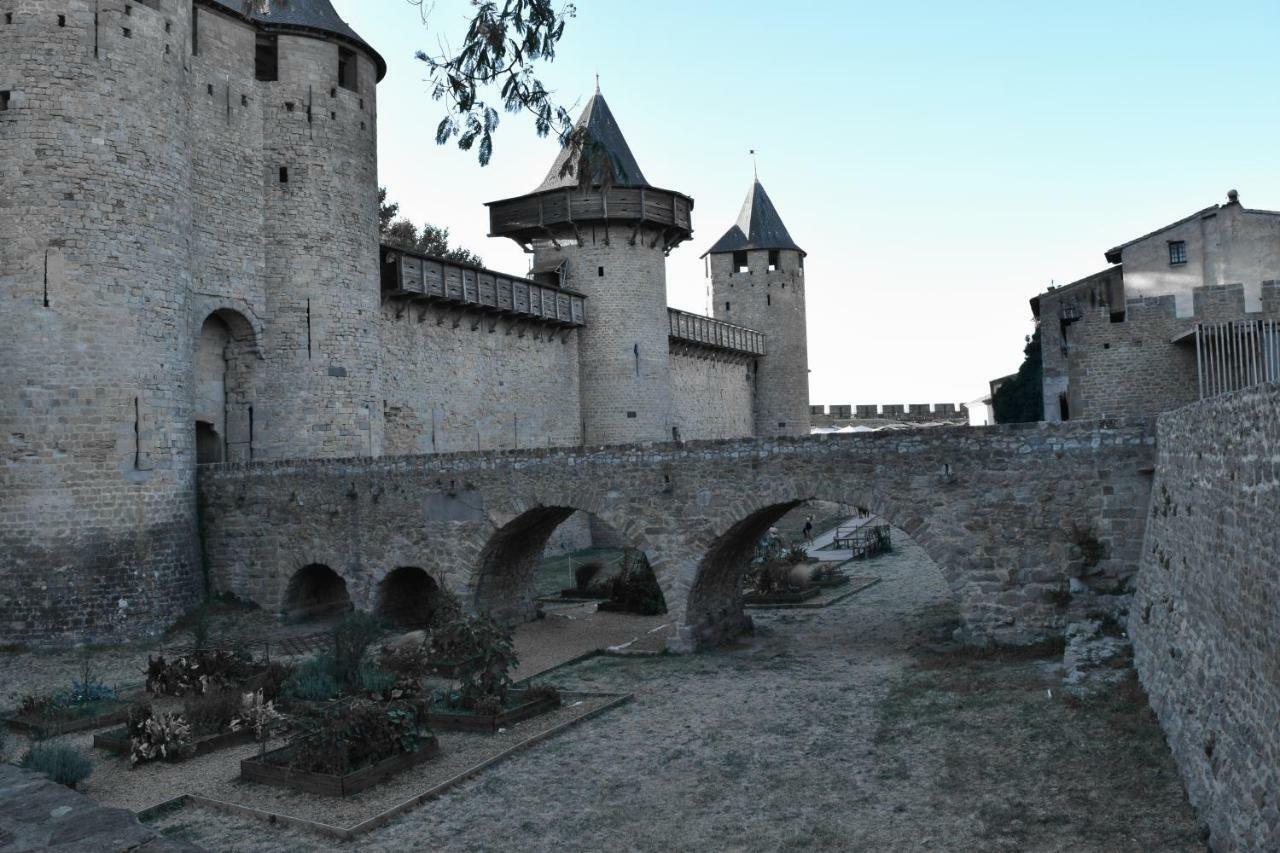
[
  {"x": 755, "y": 167},
  {"x": 597, "y": 82}
]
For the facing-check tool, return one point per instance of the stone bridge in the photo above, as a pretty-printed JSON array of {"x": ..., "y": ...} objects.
[{"x": 1001, "y": 510}]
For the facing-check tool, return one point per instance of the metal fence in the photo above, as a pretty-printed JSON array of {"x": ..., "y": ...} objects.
[{"x": 1236, "y": 354}]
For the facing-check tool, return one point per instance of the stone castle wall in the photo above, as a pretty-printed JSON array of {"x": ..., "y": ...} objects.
[
  {"x": 1129, "y": 366},
  {"x": 449, "y": 388},
  {"x": 1206, "y": 618},
  {"x": 712, "y": 396},
  {"x": 844, "y": 414}
]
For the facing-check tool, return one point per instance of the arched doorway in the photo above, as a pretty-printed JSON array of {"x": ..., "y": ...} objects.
[
  {"x": 224, "y": 361},
  {"x": 408, "y": 597},
  {"x": 315, "y": 592}
]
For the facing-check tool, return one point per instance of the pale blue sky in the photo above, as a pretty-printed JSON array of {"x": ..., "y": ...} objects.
[{"x": 941, "y": 162}]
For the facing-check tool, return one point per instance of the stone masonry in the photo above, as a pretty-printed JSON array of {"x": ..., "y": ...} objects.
[
  {"x": 995, "y": 508},
  {"x": 1206, "y": 618}
]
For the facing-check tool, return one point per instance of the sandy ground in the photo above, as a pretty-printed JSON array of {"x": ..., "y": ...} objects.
[{"x": 836, "y": 729}]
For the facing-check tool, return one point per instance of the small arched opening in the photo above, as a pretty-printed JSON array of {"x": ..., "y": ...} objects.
[
  {"x": 224, "y": 361},
  {"x": 408, "y": 598},
  {"x": 315, "y": 592}
]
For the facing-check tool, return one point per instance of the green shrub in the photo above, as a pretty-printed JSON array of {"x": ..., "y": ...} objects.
[
  {"x": 314, "y": 681},
  {"x": 61, "y": 762},
  {"x": 485, "y": 653},
  {"x": 371, "y": 678},
  {"x": 212, "y": 713},
  {"x": 356, "y": 734},
  {"x": 152, "y": 737},
  {"x": 351, "y": 639}
]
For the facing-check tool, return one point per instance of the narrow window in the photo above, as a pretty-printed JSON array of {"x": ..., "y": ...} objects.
[
  {"x": 600, "y": 272},
  {"x": 284, "y": 174},
  {"x": 768, "y": 299},
  {"x": 266, "y": 58},
  {"x": 726, "y": 305},
  {"x": 631, "y": 414},
  {"x": 1064, "y": 411},
  {"x": 244, "y": 100},
  {"x": 333, "y": 116},
  {"x": 1177, "y": 252},
  {"x": 333, "y": 92},
  {"x": 8, "y": 17},
  {"x": 168, "y": 26},
  {"x": 4, "y": 100},
  {"x": 775, "y": 260},
  {"x": 740, "y": 262},
  {"x": 128, "y": 10},
  {"x": 128, "y": 33},
  {"x": 210, "y": 88},
  {"x": 62, "y": 20},
  {"x": 347, "y": 68}
]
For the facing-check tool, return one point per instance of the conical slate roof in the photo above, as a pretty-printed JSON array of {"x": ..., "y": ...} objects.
[
  {"x": 759, "y": 227},
  {"x": 611, "y": 152},
  {"x": 317, "y": 15}
]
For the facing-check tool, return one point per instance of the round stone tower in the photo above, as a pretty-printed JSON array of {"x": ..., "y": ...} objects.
[
  {"x": 188, "y": 238},
  {"x": 596, "y": 226},
  {"x": 320, "y": 392},
  {"x": 757, "y": 281},
  {"x": 97, "y": 516}
]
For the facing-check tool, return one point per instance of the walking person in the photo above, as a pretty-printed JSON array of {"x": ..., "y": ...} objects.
[{"x": 808, "y": 528}]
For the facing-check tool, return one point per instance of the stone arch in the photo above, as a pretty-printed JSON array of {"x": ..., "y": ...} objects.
[
  {"x": 408, "y": 597},
  {"x": 506, "y": 570},
  {"x": 714, "y": 611},
  {"x": 226, "y": 354},
  {"x": 314, "y": 592}
]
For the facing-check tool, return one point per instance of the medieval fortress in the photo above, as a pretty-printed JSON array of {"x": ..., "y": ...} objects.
[
  {"x": 191, "y": 273},
  {"x": 215, "y": 378}
]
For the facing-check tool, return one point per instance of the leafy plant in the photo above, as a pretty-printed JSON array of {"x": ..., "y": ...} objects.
[
  {"x": 61, "y": 762},
  {"x": 583, "y": 575},
  {"x": 371, "y": 678},
  {"x": 358, "y": 733},
  {"x": 313, "y": 681},
  {"x": 259, "y": 714},
  {"x": 197, "y": 672},
  {"x": 89, "y": 687},
  {"x": 273, "y": 678},
  {"x": 351, "y": 639},
  {"x": 485, "y": 653},
  {"x": 212, "y": 712},
  {"x": 154, "y": 738}
]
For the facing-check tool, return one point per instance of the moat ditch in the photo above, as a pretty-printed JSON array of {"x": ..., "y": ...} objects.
[{"x": 854, "y": 727}]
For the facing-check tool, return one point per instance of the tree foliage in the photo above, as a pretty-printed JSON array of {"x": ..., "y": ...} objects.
[
  {"x": 1021, "y": 398},
  {"x": 429, "y": 239},
  {"x": 504, "y": 43}
]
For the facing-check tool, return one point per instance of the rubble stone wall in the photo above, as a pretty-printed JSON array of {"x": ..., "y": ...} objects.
[{"x": 1206, "y": 619}]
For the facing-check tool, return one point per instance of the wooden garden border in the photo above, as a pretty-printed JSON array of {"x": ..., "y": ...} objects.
[
  {"x": 817, "y": 605},
  {"x": 256, "y": 768},
  {"x": 110, "y": 742},
  {"x": 462, "y": 721},
  {"x": 353, "y": 832}
]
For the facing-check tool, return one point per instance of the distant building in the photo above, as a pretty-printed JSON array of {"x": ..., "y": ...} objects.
[{"x": 1187, "y": 311}]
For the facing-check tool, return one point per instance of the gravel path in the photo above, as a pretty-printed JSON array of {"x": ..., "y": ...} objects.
[{"x": 832, "y": 729}]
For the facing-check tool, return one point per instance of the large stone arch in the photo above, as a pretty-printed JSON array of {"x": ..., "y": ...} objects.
[
  {"x": 501, "y": 584},
  {"x": 713, "y": 609},
  {"x": 315, "y": 591}
]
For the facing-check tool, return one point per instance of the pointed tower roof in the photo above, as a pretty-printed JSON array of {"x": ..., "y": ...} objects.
[
  {"x": 602, "y": 129},
  {"x": 759, "y": 227},
  {"x": 315, "y": 15}
]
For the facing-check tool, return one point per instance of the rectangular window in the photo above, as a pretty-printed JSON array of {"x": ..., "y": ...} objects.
[
  {"x": 775, "y": 260},
  {"x": 4, "y": 101},
  {"x": 266, "y": 58},
  {"x": 740, "y": 262},
  {"x": 1177, "y": 252},
  {"x": 284, "y": 174},
  {"x": 347, "y": 69}
]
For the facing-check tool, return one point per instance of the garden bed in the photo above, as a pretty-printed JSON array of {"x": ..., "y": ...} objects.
[
  {"x": 266, "y": 770},
  {"x": 448, "y": 719},
  {"x": 831, "y": 582},
  {"x": 789, "y": 597},
  {"x": 110, "y": 713},
  {"x": 117, "y": 741}
]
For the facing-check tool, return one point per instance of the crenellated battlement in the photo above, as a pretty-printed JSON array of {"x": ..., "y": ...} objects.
[{"x": 844, "y": 414}]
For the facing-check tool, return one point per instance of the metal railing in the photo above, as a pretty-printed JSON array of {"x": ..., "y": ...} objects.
[{"x": 1236, "y": 354}]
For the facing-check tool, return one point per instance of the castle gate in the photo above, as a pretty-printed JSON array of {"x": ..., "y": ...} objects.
[{"x": 1001, "y": 510}]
